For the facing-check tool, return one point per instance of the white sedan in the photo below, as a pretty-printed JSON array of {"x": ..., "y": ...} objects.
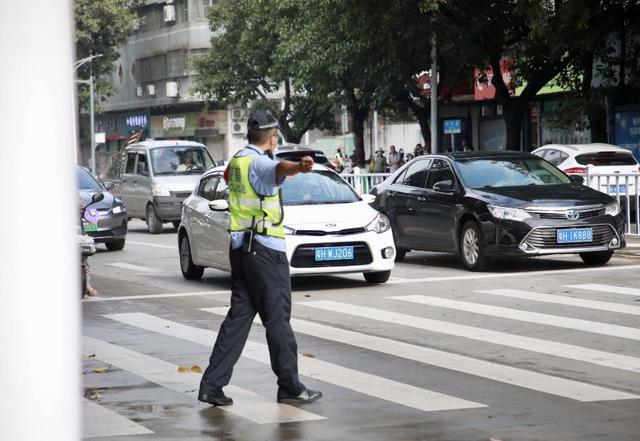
[{"x": 330, "y": 229}]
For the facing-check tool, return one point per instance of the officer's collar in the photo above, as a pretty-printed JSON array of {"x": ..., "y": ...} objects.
[{"x": 256, "y": 149}]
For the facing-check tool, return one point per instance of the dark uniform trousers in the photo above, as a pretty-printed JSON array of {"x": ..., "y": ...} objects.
[{"x": 260, "y": 284}]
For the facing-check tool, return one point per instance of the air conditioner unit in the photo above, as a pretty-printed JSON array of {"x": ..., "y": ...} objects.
[
  {"x": 151, "y": 89},
  {"x": 139, "y": 91},
  {"x": 238, "y": 128},
  {"x": 172, "y": 89},
  {"x": 236, "y": 114},
  {"x": 169, "y": 14}
]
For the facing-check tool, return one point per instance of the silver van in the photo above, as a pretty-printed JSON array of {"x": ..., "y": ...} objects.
[{"x": 156, "y": 176}]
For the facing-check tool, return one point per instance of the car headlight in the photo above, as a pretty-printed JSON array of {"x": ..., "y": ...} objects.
[
  {"x": 612, "y": 209},
  {"x": 288, "y": 231},
  {"x": 379, "y": 224},
  {"x": 515, "y": 214},
  {"x": 118, "y": 209},
  {"x": 160, "y": 190}
]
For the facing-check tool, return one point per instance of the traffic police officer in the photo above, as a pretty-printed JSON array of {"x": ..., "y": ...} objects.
[{"x": 259, "y": 267}]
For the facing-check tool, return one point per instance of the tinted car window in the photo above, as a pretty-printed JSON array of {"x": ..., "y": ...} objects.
[
  {"x": 606, "y": 159},
  {"x": 556, "y": 157},
  {"x": 416, "y": 174},
  {"x": 508, "y": 172},
  {"x": 142, "y": 168},
  {"x": 86, "y": 181},
  {"x": 317, "y": 187},
  {"x": 440, "y": 171},
  {"x": 207, "y": 188},
  {"x": 131, "y": 162}
]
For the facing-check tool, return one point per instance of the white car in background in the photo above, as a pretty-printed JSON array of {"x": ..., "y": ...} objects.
[
  {"x": 330, "y": 229},
  {"x": 599, "y": 159}
]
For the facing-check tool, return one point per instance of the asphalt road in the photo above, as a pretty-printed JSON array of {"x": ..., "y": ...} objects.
[{"x": 538, "y": 349}]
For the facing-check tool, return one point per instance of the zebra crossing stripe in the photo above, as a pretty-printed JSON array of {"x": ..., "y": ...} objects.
[
  {"x": 98, "y": 421},
  {"x": 130, "y": 266},
  {"x": 564, "y": 300},
  {"x": 364, "y": 383},
  {"x": 608, "y": 289},
  {"x": 246, "y": 403},
  {"x": 526, "y": 316},
  {"x": 578, "y": 353},
  {"x": 485, "y": 369}
]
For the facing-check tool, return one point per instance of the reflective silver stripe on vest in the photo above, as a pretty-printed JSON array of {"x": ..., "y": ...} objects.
[
  {"x": 248, "y": 224},
  {"x": 269, "y": 205}
]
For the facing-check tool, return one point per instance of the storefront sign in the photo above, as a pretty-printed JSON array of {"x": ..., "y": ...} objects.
[
  {"x": 212, "y": 123},
  {"x": 136, "y": 121},
  {"x": 174, "y": 125},
  {"x": 483, "y": 87}
]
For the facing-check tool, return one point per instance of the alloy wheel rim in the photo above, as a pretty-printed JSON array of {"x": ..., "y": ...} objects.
[
  {"x": 184, "y": 254},
  {"x": 470, "y": 246}
]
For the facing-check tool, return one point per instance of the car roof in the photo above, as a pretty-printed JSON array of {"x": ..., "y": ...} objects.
[
  {"x": 150, "y": 144},
  {"x": 286, "y": 148},
  {"x": 480, "y": 155},
  {"x": 586, "y": 148}
]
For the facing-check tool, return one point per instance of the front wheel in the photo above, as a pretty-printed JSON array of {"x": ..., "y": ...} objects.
[
  {"x": 377, "y": 277},
  {"x": 472, "y": 248},
  {"x": 154, "y": 225},
  {"x": 596, "y": 258},
  {"x": 189, "y": 269},
  {"x": 115, "y": 245}
]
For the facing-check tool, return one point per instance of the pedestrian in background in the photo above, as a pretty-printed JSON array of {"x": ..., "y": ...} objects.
[
  {"x": 418, "y": 151},
  {"x": 379, "y": 163},
  {"x": 259, "y": 267},
  {"x": 393, "y": 159}
]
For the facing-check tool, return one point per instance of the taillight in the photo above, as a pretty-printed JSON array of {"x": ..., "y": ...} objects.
[{"x": 575, "y": 170}]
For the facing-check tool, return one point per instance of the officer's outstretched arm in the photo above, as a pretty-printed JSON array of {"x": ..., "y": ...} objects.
[{"x": 290, "y": 168}]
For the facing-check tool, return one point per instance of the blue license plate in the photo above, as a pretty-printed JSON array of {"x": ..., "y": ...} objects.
[
  {"x": 617, "y": 189},
  {"x": 573, "y": 235},
  {"x": 334, "y": 253}
]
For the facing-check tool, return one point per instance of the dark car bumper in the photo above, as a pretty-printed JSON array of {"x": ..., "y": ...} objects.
[
  {"x": 536, "y": 237},
  {"x": 168, "y": 208},
  {"x": 111, "y": 227}
]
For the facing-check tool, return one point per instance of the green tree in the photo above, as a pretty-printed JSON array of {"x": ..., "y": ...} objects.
[
  {"x": 101, "y": 28},
  {"x": 248, "y": 61}
]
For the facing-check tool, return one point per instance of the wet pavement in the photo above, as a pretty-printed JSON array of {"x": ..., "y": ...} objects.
[{"x": 434, "y": 354}]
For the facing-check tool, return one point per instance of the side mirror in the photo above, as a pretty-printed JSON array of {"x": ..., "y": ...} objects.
[
  {"x": 368, "y": 198},
  {"x": 444, "y": 186},
  {"x": 97, "y": 197},
  {"x": 576, "y": 179},
  {"x": 109, "y": 185},
  {"x": 219, "y": 205}
]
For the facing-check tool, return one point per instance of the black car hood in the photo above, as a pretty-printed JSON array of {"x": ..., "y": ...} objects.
[
  {"x": 106, "y": 203},
  {"x": 565, "y": 195}
]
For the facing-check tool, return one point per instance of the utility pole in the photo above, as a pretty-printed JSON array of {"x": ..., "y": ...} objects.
[
  {"x": 434, "y": 92},
  {"x": 77, "y": 64}
]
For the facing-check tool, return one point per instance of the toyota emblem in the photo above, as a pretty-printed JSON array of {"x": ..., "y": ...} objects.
[{"x": 572, "y": 215}]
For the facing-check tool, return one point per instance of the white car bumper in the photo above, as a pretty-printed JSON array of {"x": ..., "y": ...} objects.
[{"x": 369, "y": 250}]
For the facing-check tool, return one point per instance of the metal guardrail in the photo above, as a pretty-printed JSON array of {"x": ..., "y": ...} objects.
[{"x": 624, "y": 187}]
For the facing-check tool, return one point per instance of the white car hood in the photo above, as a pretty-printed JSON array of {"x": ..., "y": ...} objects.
[
  {"x": 329, "y": 217},
  {"x": 178, "y": 183}
]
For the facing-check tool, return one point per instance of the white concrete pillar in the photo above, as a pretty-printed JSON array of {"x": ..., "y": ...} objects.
[{"x": 40, "y": 329}]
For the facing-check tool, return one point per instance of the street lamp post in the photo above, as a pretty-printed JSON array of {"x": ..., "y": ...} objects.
[{"x": 76, "y": 65}]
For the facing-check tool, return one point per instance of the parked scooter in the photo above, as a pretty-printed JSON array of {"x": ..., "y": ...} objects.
[{"x": 88, "y": 222}]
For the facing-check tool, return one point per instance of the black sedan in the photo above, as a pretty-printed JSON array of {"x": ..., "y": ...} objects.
[
  {"x": 492, "y": 205},
  {"x": 111, "y": 228}
]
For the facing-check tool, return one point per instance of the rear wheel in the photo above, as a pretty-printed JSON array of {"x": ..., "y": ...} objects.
[
  {"x": 377, "y": 277},
  {"x": 472, "y": 248},
  {"x": 154, "y": 225},
  {"x": 115, "y": 245},
  {"x": 189, "y": 269},
  {"x": 597, "y": 258}
]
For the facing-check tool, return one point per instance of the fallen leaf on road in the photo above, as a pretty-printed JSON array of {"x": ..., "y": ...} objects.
[
  {"x": 308, "y": 354},
  {"x": 184, "y": 369},
  {"x": 91, "y": 355},
  {"x": 307, "y": 295},
  {"x": 100, "y": 370},
  {"x": 95, "y": 395},
  {"x": 196, "y": 368}
]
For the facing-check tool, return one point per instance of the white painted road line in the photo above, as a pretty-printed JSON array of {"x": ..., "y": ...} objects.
[
  {"x": 246, "y": 404},
  {"x": 608, "y": 289},
  {"x": 138, "y": 268},
  {"x": 98, "y": 421},
  {"x": 146, "y": 244},
  {"x": 517, "y": 274},
  {"x": 472, "y": 366},
  {"x": 526, "y": 316},
  {"x": 541, "y": 346},
  {"x": 157, "y": 296},
  {"x": 372, "y": 385},
  {"x": 563, "y": 300}
]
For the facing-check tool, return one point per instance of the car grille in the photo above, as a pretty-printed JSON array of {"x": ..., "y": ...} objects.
[
  {"x": 344, "y": 232},
  {"x": 586, "y": 214},
  {"x": 546, "y": 237},
  {"x": 304, "y": 255}
]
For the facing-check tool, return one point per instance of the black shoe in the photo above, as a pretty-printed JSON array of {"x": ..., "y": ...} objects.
[
  {"x": 305, "y": 397},
  {"x": 216, "y": 399}
]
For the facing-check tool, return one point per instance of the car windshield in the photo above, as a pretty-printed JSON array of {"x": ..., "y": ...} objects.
[
  {"x": 180, "y": 160},
  {"x": 508, "y": 172},
  {"x": 317, "y": 187},
  {"x": 86, "y": 181}
]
